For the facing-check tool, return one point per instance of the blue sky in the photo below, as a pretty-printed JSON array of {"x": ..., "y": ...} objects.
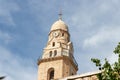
[{"x": 94, "y": 26}]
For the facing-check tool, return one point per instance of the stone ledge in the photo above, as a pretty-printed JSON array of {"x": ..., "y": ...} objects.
[
  {"x": 88, "y": 74},
  {"x": 57, "y": 58}
]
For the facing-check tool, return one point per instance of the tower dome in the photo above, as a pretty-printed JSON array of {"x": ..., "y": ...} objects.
[{"x": 59, "y": 25}]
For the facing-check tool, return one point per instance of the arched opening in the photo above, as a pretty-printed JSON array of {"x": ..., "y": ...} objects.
[
  {"x": 53, "y": 44},
  {"x": 72, "y": 74},
  {"x": 55, "y": 52},
  {"x": 62, "y": 34},
  {"x": 51, "y": 74},
  {"x": 50, "y": 55}
]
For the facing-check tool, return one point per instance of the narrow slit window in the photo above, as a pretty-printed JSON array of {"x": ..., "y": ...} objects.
[
  {"x": 50, "y": 54},
  {"x": 55, "y": 52},
  {"x": 53, "y": 44},
  {"x": 62, "y": 34}
]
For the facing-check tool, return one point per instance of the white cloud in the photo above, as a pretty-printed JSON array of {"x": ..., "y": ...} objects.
[
  {"x": 16, "y": 68},
  {"x": 112, "y": 58},
  {"x": 103, "y": 36},
  {"x": 5, "y": 37},
  {"x": 6, "y": 9}
]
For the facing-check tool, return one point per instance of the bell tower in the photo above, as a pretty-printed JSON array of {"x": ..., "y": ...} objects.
[{"x": 57, "y": 59}]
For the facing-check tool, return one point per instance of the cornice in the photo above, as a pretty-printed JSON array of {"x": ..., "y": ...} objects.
[{"x": 57, "y": 58}]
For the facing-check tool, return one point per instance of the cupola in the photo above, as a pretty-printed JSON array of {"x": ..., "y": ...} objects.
[{"x": 59, "y": 25}]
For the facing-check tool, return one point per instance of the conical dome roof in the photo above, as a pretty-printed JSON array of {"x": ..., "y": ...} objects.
[{"x": 59, "y": 25}]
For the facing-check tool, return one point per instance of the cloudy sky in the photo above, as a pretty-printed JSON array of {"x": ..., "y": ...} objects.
[{"x": 94, "y": 26}]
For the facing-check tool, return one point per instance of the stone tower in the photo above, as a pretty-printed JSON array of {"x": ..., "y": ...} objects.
[{"x": 57, "y": 60}]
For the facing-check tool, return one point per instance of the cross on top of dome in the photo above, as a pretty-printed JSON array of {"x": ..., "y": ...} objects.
[{"x": 60, "y": 15}]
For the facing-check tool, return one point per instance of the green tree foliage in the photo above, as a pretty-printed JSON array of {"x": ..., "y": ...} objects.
[{"x": 109, "y": 72}]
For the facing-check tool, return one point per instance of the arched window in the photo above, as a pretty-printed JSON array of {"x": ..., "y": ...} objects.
[
  {"x": 62, "y": 34},
  {"x": 51, "y": 74},
  {"x": 53, "y": 44},
  {"x": 55, "y": 52},
  {"x": 72, "y": 74},
  {"x": 50, "y": 55}
]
